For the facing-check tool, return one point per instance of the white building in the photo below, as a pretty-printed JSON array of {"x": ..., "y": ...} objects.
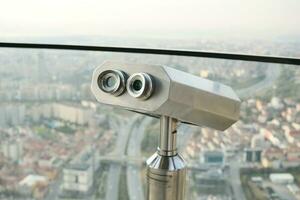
[
  {"x": 50, "y": 162},
  {"x": 72, "y": 113},
  {"x": 257, "y": 179},
  {"x": 294, "y": 189},
  {"x": 282, "y": 178},
  {"x": 276, "y": 103},
  {"x": 12, "y": 114},
  {"x": 31, "y": 180},
  {"x": 78, "y": 177},
  {"x": 12, "y": 150},
  {"x": 2, "y": 117}
]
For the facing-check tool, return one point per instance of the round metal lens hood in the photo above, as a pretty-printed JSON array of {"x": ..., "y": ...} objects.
[
  {"x": 112, "y": 82},
  {"x": 140, "y": 85}
]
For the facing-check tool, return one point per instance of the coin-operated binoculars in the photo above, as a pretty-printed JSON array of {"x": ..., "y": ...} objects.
[{"x": 173, "y": 96}]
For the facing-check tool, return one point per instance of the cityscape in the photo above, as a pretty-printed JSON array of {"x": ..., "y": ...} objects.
[{"x": 58, "y": 143}]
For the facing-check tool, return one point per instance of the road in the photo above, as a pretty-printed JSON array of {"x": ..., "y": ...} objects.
[
  {"x": 54, "y": 189},
  {"x": 123, "y": 127},
  {"x": 235, "y": 180},
  {"x": 134, "y": 182},
  {"x": 272, "y": 73}
]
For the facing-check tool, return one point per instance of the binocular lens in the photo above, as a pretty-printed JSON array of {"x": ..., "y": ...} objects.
[
  {"x": 137, "y": 85},
  {"x": 112, "y": 82},
  {"x": 140, "y": 85}
]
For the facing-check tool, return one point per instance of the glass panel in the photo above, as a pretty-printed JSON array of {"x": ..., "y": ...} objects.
[{"x": 57, "y": 142}]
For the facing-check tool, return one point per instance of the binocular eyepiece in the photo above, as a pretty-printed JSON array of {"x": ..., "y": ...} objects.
[
  {"x": 112, "y": 82},
  {"x": 115, "y": 82}
]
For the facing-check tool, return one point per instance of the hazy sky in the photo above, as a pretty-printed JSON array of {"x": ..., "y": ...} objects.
[{"x": 154, "y": 17}]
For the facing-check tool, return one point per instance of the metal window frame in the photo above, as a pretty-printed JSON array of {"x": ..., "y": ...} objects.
[{"x": 173, "y": 52}]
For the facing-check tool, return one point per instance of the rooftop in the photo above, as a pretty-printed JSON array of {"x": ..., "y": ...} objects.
[{"x": 78, "y": 166}]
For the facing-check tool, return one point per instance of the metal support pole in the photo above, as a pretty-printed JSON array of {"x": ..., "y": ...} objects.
[{"x": 166, "y": 173}]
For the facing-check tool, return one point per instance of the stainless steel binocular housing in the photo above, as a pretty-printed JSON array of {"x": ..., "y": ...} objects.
[
  {"x": 173, "y": 96},
  {"x": 163, "y": 91}
]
